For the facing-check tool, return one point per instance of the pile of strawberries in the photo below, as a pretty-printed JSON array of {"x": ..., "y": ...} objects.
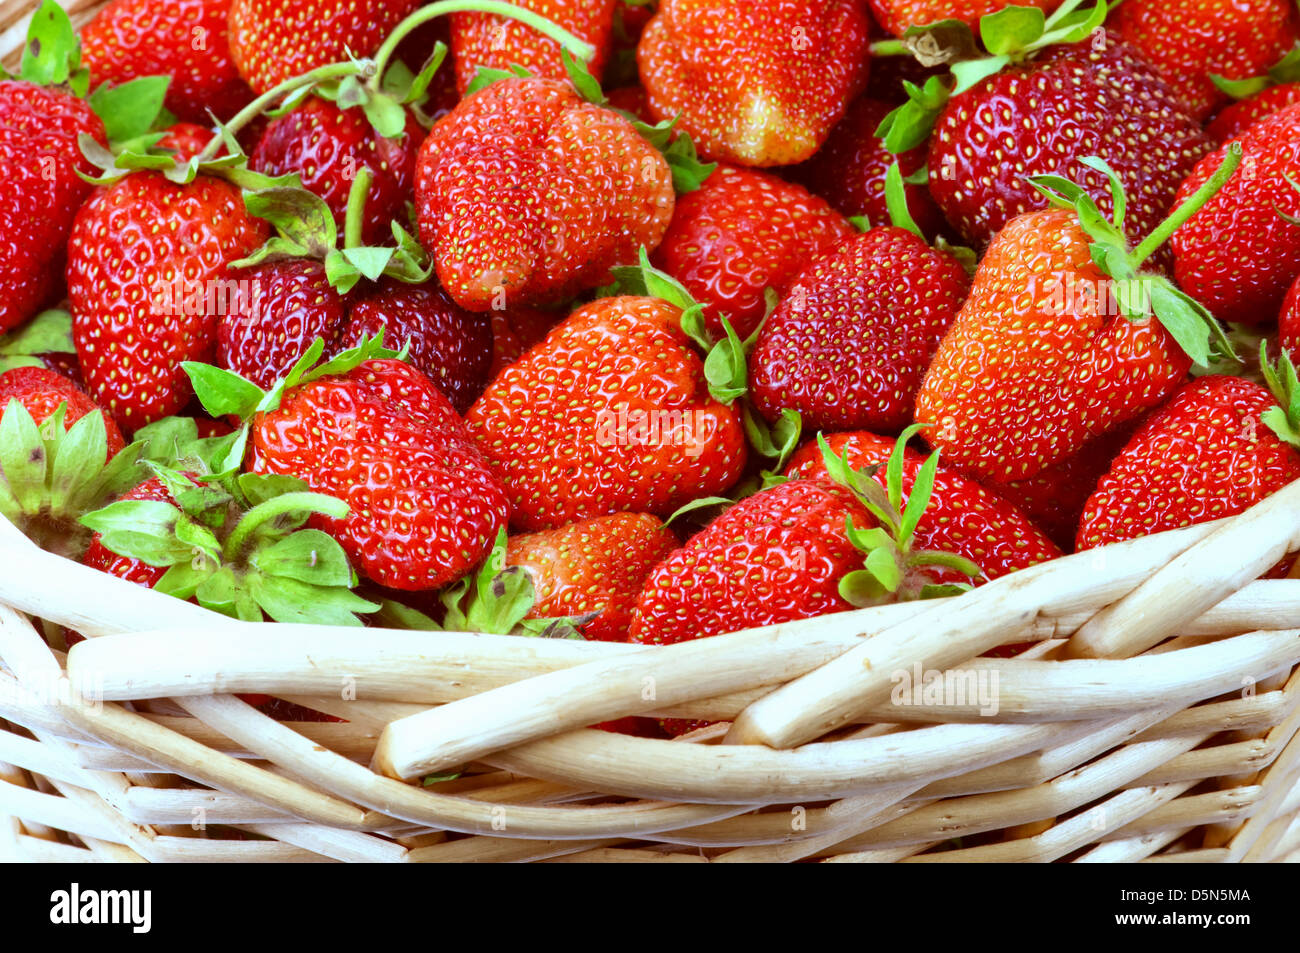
[{"x": 638, "y": 321}]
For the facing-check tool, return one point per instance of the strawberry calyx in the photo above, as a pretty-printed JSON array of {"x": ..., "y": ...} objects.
[
  {"x": 52, "y": 52},
  {"x": 50, "y": 477},
  {"x": 50, "y": 332},
  {"x": 1286, "y": 70},
  {"x": 893, "y": 569},
  {"x": 235, "y": 544},
  {"x": 1008, "y": 36},
  {"x": 1138, "y": 294},
  {"x": 1282, "y": 382},
  {"x": 901, "y": 217}
]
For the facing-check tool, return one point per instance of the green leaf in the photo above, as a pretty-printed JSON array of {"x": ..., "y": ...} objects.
[
  {"x": 947, "y": 560},
  {"x": 23, "y": 457},
  {"x": 973, "y": 72},
  {"x": 418, "y": 91},
  {"x": 140, "y": 529},
  {"x": 1070, "y": 25},
  {"x": 1118, "y": 198},
  {"x": 910, "y": 124},
  {"x": 183, "y": 579},
  {"x": 301, "y": 217},
  {"x": 588, "y": 86},
  {"x": 1184, "y": 318},
  {"x": 704, "y": 502},
  {"x": 52, "y": 52},
  {"x": 257, "y": 488},
  {"x": 896, "y": 201},
  {"x": 129, "y": 109},
  {"x": 394, "y": 615},
  {"x": 689, "y": 173},
  {"x": 862, "y": 589},
  {"x": 84, "y": 447},
  {"x": 308, "y": 555},
  {"x": 725, "y": 367},
  {"x": 223, "y": 392},
  {"x": 50, "y": 332},
  {"x": 918, "y": 499},
  {"x": 386, "y": 115},
  {"x": 486, "y": 76},
  {"x": 894, "y": 466},
  {"x": 371, "y": 262},
  {"x": 1240, "y": 88},
  {"x": 882, "y": 563},
  {"x": 1012, "y": 29},
  {"x": 289, "y": 600}
]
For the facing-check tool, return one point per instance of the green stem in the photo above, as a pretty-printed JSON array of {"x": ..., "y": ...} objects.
[
  {"x": 889, "y": 48},
  {"x": 279, "y": 506},
  {"x": 258, "y": 105},
  {"x": 356, "y": 211},
  {"x": 578, "y": 47},
  {"x": 1180, "y": 215}
]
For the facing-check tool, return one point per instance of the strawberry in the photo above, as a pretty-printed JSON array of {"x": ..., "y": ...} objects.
[
  {"x": 960, "y": 517},
  {"x": 186, "y": 40},
  {"x": 610, "y": 413},
  {"x": 484, "y": 40},
  {"x": 416, "y": 49},
  {"x": 1240, "y": 255},
  {"x": 1189, "y": 41},
  {"x": 327, "y": 145},
  {"x": 1050, "y": 349},
  {"x": 41, "y": 391},
  {"x": 185, "y": 139},
  {"x": 45, "y": 341},
  {"x": 742, "y": 232},
  {"x": 897, "y": 15},
  {"x": 514, "y": 332},
  {"x": 423, "y": 506},
  {"x": 148, "y": 271},
  {"x": 1039, "y": 108},
  {"x": 594, "y": 566},
  {"x": 755, "y": 85},
  {"x": 1240, "y": 116},
  {"x": 274, "y": 40},
  {"x": 1209, "y": 453},
  {"x": 848, "y": 344},
  {"x": 849, "y": 170},
  {"x": 1288, "y": 323}
]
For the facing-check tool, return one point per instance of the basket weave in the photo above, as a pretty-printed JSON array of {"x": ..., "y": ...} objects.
[{"x": 1155, "y": 719}]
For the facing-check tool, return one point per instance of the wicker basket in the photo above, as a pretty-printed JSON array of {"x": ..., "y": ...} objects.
[{"x": 1155, "y": 718}]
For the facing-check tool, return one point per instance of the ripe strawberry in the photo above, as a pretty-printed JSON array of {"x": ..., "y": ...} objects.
[
  {"x": 961, "y": 517},
  {"x": 41, "y": 391},
  {"x": 148, "y": 270},
  {"x": 849, "y": 170},
  {"x": 897, "y": 15},
  {"x": 274, "y": 40},
  {"x": 1187, "y": 41},
  {"x": 745, "y": 231},
  {"x": 186, "y": 139},
  {"x": 558, "y": 192},
  {"x": 1240, "y": 116},
  {"x": 415, "y": 50},
  {"x": 1239, "y": 256},
  {"x": 593, "y": 566},
  {"x": 514, "y": 332},
  {"x": 100, "y": 557},
  {"x": 326, "y": 146},
  {"x": 1207, "y": 454},
  {"x": 186, "y": 40},
  {"x": 848, "y": 344},
  {"x": 755, "y": 84},
  {"x": 484, "y": 40},
  {"x": 423, "y": 506},
  {"x": 610, "y": 413},
  {"x": 1288, "y": 323}
]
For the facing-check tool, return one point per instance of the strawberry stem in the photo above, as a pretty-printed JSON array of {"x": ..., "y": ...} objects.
[
  {"x": 1180, "y": 215},
  {"x": 279, "y": 506},
  {"x": 356, "y": 211},
  {"x": 579, "y": 48}
]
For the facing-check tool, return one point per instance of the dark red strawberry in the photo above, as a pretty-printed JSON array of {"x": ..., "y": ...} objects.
[
  {"x": 42, "y": 391},
  {"x": 183, "y": 39},
  {"x": 515, "y": 331},
  {"x": 853, "y": 335},
  {"x": 897, "y": 15},
  {"x": 754, "y": 84},
  {"x": 1239, "y": 256},
  {"x": 1288, "y": 323},
  {"x": 745, "y": 231},
  {"x": 593, "y": 566}
]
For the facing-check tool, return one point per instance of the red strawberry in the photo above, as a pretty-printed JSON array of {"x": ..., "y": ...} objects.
[
  {"x": 1208, "y": 453},
  {"x": 148, "y": 271},
  {"x": 745, "y": 231},
  {"x": 514, "y": 332},
  {"x": 541, "y": 207},
  {"x": 127, "y": 567},
  {"x": 1187, "y": 41},
  {"x": 45, "y": 342},
  {"x": 1240, "y": 116},
  {"x": 1239, "y": 256},
  {"x": 755, "y": 84},
  {"x": 483, "y": 40},
  {"x": 593, "y": 566},
  {"x": 274, "y": 40},
  {"x": 186, "y": 139},
  {"x": 1288, "y": 323},
  {"x": 326, "y": 146},
  {"x": 848, "y": 344},
  {"x": 961, "y": 517},
  {"x": 610, "y": 413},
  {"x": 849, "y": 171},
  {"x": 41, "y": 391},
  {"x": 185, "y": 39},
  {"x": 897, "y": 15}
]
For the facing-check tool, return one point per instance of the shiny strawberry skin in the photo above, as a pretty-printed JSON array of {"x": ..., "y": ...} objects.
[
  {"x": 484, "y": 40},
  {"x": 848, "y": 344},
  {"x": 596, "y": 565},
  {"x": 1288, "y": 323},
  {"x": 744, "y": 231},
  {"x": 610, "y": 413},
  {"x": 41, "y": 391},
  {"x": 140, "y": 252},
  {"x": 1240, "y": 116},
  {"x": 326, "y": 146},
  {"x": 515, "y": 331},
  {"x": 897, "y": 15},
  {"x": 183, "y": 39},
  {"x": 849, "y": 170},
  {"x": 775, "y": 556},
  {"x": 127, "y": 567},
  {"x": 1033, "y": 367},
  {"x": 526, "y": 195},
  {"x": 755, "y": 84},
  {"x": 452, "y": 346},
  {"x": 424, "y": 508},
  {"x": 274, "y": 40},
  {"x": 1045, "y": 116},
  {"x": 39, "y": 162},
  {"x": 1237, "y": 255},
  {"x": 962, "y": 516},
  {"x": 1188, "y": 40},
  {"x": 186, "y": 139},
  {"x": 1205, "y": 455}
]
